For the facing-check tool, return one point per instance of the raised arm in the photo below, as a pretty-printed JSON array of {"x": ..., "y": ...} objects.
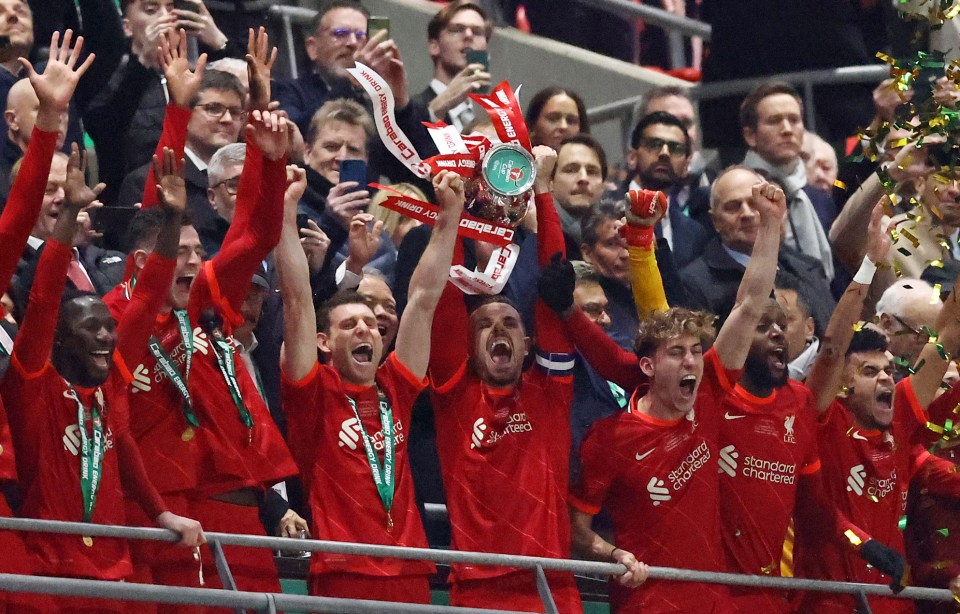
[
  {"x": 54, "y": 89},
  {"x": 34, "y": 342},
  {"x": 647, "y": 207},
  {"x": 299, "y": 353},
  {"x": 430, "y": 276},
  {"x": 183, "y": 85},
  {"x": 733, "y": 340},
  {"x": 826, "y": 374},
  {"x": 260, "y": 195},
  {"x": 153, "y": 283}
]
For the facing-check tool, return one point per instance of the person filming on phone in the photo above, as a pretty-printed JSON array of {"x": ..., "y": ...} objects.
[{"x": 457, "y": 38}]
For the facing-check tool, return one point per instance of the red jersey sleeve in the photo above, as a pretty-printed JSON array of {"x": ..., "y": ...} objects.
[
  {"x": 33, "y": 345},
  {"x": 554, "y": 351},
  {"x": 819, "y": 515},
  {"x": 134, "y": 478},
  {"x": 136, "y": 324},
  {"x": 598, "y": 470},
  {"x": 24, "y": 201},
  {"x": 609, "y": 360},
  {"x": 450, "y": 331},
  {"x": 174, "y": 136},
  {"x": 225, "y": 280}
]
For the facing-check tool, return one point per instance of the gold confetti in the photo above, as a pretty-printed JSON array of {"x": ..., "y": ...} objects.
[
  {"x": 852, "y": 537},
  {"x": 935, "y": 295},
  {"x": 839, "y": 184}
]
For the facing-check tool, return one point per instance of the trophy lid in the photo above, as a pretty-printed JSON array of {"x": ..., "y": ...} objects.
[{"x": 509, "y": 170}]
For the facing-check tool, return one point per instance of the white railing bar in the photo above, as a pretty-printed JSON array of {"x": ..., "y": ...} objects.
[
  {"x": 177, "y": 595},
  {"x": 481, "y": 558}
]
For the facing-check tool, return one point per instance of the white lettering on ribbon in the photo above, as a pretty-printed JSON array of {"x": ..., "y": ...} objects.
[
  {"x": 494, "y": 277},
  {"x": 383, "y": 114}
]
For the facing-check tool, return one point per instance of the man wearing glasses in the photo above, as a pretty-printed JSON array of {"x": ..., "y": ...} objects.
[
  {"x": 457, "y": 28},
  {"x": 659, "y": 156},
  {"x": 217, "y": 116},
  {"x": 338, "y": 41}
]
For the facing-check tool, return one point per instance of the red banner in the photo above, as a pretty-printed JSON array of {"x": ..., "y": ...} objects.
[
  {"x": 470, "y": 226},
  {"x": 504, "y": 111}
]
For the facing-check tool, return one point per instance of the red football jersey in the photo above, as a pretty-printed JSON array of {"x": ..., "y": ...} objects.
[
  {"x": 866, "y": 474},
  {"x": 766, "y": 445},
  {"x": 658, "y": 480},
  {"x": 505, "y": 464},
  {"x": 43, "y": 420},
  {"x": 326, "y": 441},
  {"x": 8, "y": 462},
  {"x": 215, "y": 457}
]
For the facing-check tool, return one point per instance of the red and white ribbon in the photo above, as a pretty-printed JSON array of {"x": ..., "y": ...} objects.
[{"x": 383, "y": 114}]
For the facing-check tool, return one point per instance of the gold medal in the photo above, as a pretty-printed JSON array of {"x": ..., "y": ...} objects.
[
  {"x": 188, "y": 434},
  {"x": 88, "y": 541}
]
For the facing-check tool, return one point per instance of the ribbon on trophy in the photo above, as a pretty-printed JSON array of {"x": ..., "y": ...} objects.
[{"x": 498, "y": 175}]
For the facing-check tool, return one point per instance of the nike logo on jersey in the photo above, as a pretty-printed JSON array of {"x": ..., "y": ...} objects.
[
  {"x": 857, "y": 435},
  {"x": 730, "y": 416},
  {"x": 640, "y": 457}
]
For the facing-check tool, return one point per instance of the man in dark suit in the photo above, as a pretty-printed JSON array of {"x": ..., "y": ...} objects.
[
  {"x": 456, "y": 28},
  {"x": 218, "y": 116},
  {"x": 711, "y": 281},
  {"x": 659, "y": 157}
]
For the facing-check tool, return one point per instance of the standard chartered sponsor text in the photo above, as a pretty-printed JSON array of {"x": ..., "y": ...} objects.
[
  {"x": 697, "y": 458},
  {"x": 769, "y": 471}
]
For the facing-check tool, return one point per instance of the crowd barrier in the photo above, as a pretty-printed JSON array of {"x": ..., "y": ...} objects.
[{"x": 270, "y": 602}]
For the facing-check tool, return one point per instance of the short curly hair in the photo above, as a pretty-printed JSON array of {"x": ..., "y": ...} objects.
[{"x": 665, "y": 325}]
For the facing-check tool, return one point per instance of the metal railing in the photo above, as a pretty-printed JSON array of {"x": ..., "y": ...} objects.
[{"x": 268, "y": 602}]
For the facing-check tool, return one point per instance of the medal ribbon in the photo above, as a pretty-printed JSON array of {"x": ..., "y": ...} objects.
[
  {"x": 382, "y": 474},
  {"x": 91, "y": 453},
  {"x": 228, "y": 370},
  {"x": 169, "y": 368}
]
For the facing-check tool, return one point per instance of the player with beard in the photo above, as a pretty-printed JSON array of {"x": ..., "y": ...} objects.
[
  {"x": 503, "y": 435},
  {"x": 654, "y": 465},
  {"x": 869, "y": 434},
  {"x": 69, "y": 413},
  {"x": 204, "y": 430},
  {"x": 341, "y": 413}
]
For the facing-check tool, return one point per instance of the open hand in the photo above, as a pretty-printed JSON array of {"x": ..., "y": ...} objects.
[
  {"x": 182, "y": 82},
  {"x": 56, "y": 85},
  {"x": 260, "y": 61},
  {"x": 268, "y": 131},
  {"x": 77, "y": 194},
  {"x": 315, "y": 244},
  {"x": 171, "y": 189}
]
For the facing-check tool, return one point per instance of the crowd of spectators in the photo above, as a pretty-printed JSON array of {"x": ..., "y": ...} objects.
[{"x": 744, "y": 368}]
